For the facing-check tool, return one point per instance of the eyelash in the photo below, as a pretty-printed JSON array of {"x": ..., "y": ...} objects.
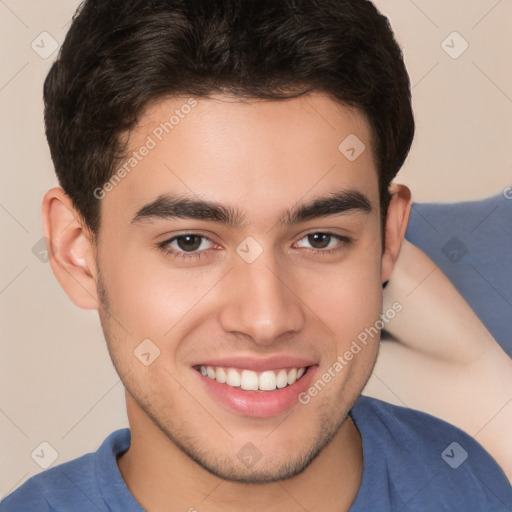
[
  {"x": 165, "y": 247},
  {"x": 345, "y": 242}
]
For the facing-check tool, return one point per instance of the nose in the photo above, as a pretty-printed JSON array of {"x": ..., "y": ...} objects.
[{"x": 260, "y": 303}]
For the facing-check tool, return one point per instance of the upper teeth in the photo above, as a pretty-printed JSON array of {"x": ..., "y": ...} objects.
[{"x": 252, "y": 381}]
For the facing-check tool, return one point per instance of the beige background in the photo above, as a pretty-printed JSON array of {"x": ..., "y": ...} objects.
[{"x": 57, "y": 383}]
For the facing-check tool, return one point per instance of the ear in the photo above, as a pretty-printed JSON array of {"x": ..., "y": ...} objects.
[
  {"x": 396, "y": 224},
  {"x": 71, "y": 249}
]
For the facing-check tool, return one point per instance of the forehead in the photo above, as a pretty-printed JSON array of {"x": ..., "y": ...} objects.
[{"x": 249, "y": 153}]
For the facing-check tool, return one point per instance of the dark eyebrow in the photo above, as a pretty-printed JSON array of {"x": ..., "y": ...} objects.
[
  {"x": 168, "y": 206},
  {"x": 344, "y": 201}
]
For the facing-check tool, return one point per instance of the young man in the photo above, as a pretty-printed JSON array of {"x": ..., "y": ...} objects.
[{"x": 227, "y": 207}]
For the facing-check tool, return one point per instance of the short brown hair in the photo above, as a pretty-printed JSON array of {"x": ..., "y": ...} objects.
[{"x": 119, "y": 55}]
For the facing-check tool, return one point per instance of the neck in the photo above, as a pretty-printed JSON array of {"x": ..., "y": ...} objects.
[{"x": 163, "y": 478}]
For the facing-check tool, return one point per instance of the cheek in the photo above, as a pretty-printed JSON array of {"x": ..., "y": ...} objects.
[
  {"x": 347, "y": 296},
  {"x": 148, "y": 297}
]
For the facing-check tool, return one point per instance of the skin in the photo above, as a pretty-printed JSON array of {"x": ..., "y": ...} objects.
[
  {"x": 451, "y": 360},
  {"x": 260, "y": 158}
]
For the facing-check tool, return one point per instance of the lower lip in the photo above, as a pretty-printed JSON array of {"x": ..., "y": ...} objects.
[{"x": 258, "y": 403}]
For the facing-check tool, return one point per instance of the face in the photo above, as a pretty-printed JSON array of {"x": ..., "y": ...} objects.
[{"x": 244, "y": 245}]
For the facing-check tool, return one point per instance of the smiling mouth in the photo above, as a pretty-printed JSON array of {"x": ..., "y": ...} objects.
[{"x": 249, "y": 380}]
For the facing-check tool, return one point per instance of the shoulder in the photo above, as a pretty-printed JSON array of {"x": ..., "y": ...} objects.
[
  {"x": 74, "y": 482},
  {"x": 420, "y": 461},
  {"x": 28, "y": 498},
  {"x": 42, "y": 491}
]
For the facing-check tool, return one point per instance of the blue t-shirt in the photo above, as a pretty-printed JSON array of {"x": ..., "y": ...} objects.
[{"x": 413, "y": 462}]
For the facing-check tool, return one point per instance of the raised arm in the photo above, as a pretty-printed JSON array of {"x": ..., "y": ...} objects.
[
  {"x": 435, "y": 320},
  {"x": 443, "y": 360}
]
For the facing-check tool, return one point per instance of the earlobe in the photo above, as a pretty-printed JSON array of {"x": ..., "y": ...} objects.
[
  {"x": 71, "y": 251},
  {"x": 396, "y": 225}
]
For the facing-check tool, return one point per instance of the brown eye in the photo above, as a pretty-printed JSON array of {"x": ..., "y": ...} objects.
[
  {"x": 325, "y": 243},
  {"x": 189, "y": 242},
  {"x": 319, "y": 240}
]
